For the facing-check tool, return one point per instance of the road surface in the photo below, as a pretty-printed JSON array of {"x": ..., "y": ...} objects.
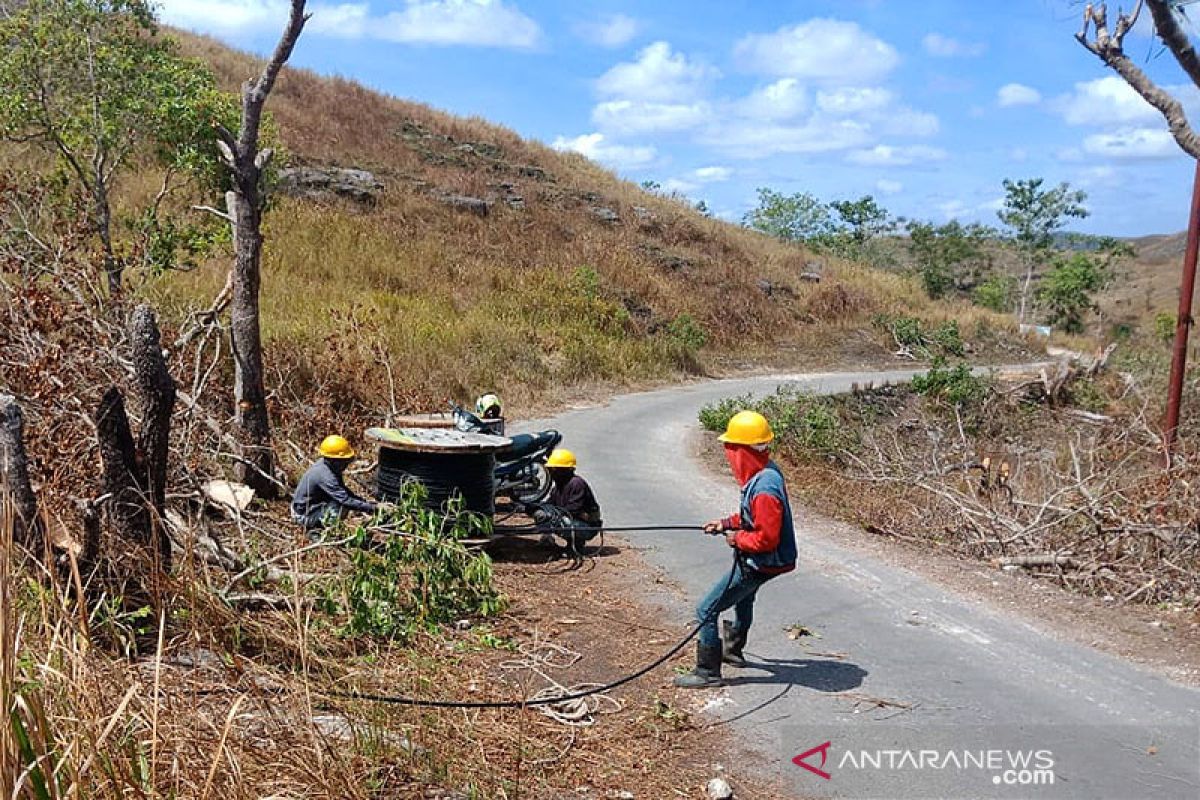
[{"x": 976, "y": 683}]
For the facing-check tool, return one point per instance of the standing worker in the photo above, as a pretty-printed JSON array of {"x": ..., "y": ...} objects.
[
  {"x": 763, "y": 536},
  {"x": 321, "y": 497}
]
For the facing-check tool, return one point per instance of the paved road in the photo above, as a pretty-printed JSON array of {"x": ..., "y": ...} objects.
[{"x": 976, "y": 680}]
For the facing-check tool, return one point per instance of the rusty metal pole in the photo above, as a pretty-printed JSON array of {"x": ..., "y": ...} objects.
[{"x": 1183, "y": 322}]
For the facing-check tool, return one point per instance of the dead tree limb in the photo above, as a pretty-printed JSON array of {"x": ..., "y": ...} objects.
[
  {"x": 15, "y": 486},
  {"x": 247, "y": 162},
  {"x": 1109, "y": 47}
]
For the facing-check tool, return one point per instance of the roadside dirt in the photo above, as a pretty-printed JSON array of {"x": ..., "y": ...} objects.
[
  {"x": 653, "y": 746},
  {"x": 1167, "y": 642}
]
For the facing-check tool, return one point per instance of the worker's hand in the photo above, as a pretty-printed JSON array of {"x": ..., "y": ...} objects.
[
  {"x": 731, "y": 538},
  {"x": 714, "y": 527}
]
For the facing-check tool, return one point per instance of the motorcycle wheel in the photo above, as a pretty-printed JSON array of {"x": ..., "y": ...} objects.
[{"x": 535, "y": 488}]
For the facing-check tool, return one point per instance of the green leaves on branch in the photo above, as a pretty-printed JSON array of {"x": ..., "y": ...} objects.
[
  {"x": 1035, "y": 214},
  {"x": 95, "y": 84},
  {"x": 417, "y": 578}
]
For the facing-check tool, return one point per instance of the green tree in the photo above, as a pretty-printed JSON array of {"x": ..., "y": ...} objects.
[
  {"x": 96, "y": 85},
  {"x": 863, "y": 219},
  {"x": 1067, "y": 293},
  {"x": 798, "y": 217},
  {"x": 1034, "y": 215},
  {"x": 951, "y": 256}
]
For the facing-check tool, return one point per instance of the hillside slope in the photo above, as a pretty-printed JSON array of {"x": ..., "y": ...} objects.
[{"x": 568, "y": 276}]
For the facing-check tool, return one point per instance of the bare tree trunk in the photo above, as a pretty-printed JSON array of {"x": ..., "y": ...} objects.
[
  {"x": 1025, "y": 288},
  {"x": 126, "y": 507},
  {"x": 156, "y": 390},
  {"x": 16, "y": 491},
  {"x": 246, "y": 162},
  {"x": 103, "y": 222},
  {"x": 135, "y": 474}
]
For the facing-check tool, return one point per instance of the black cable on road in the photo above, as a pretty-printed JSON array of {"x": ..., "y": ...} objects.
[{"x": 400, "y": 700}]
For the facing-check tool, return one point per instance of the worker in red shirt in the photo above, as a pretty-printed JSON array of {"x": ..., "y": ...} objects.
[{"x": 764, "y": 537}]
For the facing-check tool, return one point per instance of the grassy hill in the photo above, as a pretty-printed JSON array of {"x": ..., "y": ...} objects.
[{"x": 573, "y": 276}]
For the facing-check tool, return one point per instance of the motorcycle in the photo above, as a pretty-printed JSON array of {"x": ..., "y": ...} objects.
[{"x": 521, "y": 472}]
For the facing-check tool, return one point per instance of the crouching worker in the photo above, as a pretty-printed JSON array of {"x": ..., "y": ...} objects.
[
  {"x": 764, "y": 538},
  {"x": 573, "y": 495},
  {"x": 321, "y": 497}
]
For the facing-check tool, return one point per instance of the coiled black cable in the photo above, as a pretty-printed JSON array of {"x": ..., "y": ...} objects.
[{"x": 444, "y": 475}]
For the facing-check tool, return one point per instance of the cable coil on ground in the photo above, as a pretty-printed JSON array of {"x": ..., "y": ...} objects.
[{"x": 444, "y": 475}]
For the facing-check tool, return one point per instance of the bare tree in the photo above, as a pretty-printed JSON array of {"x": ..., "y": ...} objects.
[
  {"x": 247, "y": 163},
  {"x": 1109, "y": 46}
]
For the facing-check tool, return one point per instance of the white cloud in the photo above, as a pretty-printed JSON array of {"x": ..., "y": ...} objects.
[
  {"x": 482, "y": 23},
  {"x": 945, "y": 47},
  {"x": 784, "y": 99},
  {"x": 745, "y": 138},
  {"x": 678, "y": 186},
  {"x": 475, "y": 22},
  {"x": 712, "y": 174},
  {"x": 1018, "y": 154},
  {"x": 1111, "y": 102},
  {"x": 953, "y": 209},
  {"x": 1133, "y": 144},
  {"x": 659, "y": 75},
  {"x": 631, "y": 117},
  {"x": 617, "y": 156},
  {"x": 853, "y": 100},
  {"x": 884, "y": 155},
  {"x": 223, "y": 16},
  {"x": 1016, "y": 94},
  {"x": 612, "y": 31},
  {"x": 824, "y": 50},
  {"x": 889, "y": 187},
  {"x": 905, "y": 121}
]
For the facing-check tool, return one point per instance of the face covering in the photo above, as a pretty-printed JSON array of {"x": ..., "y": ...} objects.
[{"x": 745, "y": 461}]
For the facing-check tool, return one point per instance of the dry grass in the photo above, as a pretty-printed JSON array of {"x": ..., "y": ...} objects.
[{"x": 524, "y": 301}]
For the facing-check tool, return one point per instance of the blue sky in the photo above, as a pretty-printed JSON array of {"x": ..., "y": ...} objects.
[{"x": 926, "y": 105}]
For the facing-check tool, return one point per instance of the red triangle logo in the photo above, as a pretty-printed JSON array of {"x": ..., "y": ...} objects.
[{"x": 823, "y": 749}]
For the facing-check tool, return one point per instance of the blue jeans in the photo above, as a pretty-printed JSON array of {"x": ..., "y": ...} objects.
[{"x": 737, "y": 594}]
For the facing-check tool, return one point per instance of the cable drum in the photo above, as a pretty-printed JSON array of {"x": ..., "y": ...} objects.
[
  {"x": 444, "y": 475},
  {"x": 447, "y": 463}
]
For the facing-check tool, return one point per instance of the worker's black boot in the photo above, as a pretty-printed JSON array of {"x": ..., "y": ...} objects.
[
  {"x": 707, "y": 673},
  {"x": 734, "y": 642}
]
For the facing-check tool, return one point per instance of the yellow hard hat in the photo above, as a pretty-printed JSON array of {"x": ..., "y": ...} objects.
[
  {"x": 747, "y": 427},
  {"x": 561, "y": 459},
  {"x": 336, "y": 447}
]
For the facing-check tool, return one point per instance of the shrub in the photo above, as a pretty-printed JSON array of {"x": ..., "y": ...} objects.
[
  {"x": 803, "y": 423},
  {"x": 683, "y": 339},
  {"x": 956, "y": 386},
  {"x": 1164, "y": 327},
  {"x": 912, "y": 333},
  {"x": 996, "y": 293},
  {"x": 421, "y": 576}
]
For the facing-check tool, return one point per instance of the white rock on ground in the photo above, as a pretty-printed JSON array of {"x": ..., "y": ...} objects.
[{"x": 718, "y": 789}]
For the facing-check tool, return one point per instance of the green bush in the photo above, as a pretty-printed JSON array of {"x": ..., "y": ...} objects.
[
  {"x": 683, "y": 338},
  {"x": 1164, "y": 327},
  {"x": 956, "y": 386},
  {"x": 996, "y": 293},
  {"x": 420, "y": 577},
  {"x": 803, "y": 423},
  {"x": 914, "y": 334}
]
